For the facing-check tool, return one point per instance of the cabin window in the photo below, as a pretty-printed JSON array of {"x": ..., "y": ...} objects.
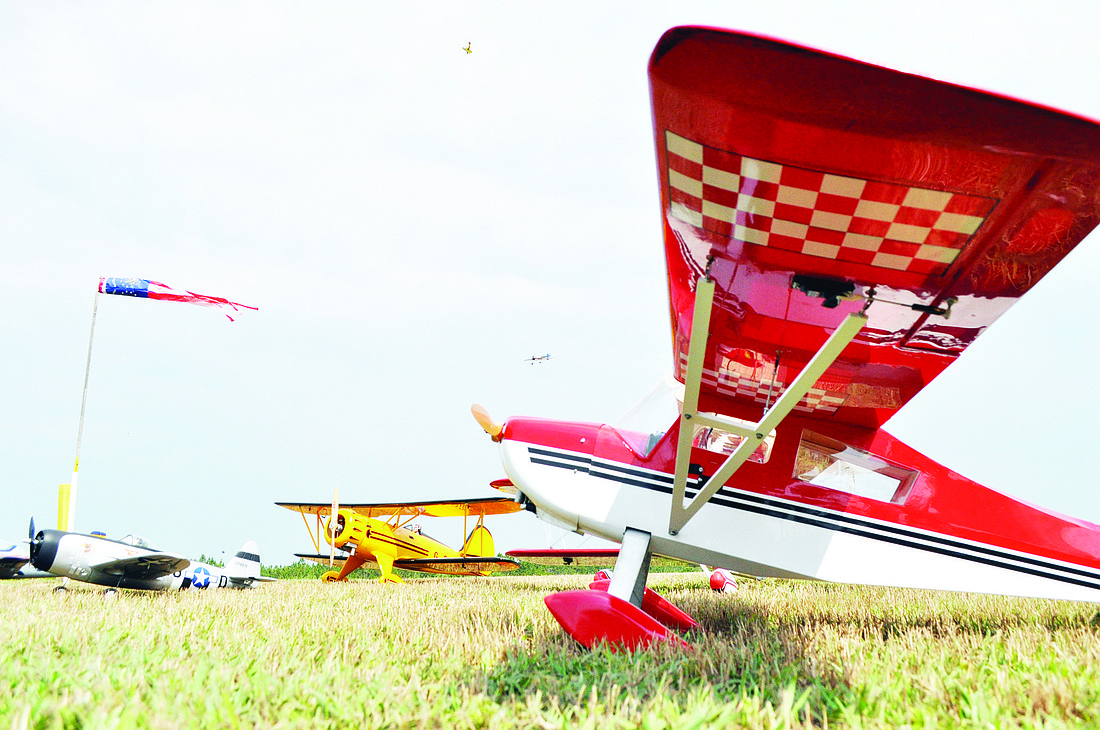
[
  {"x": 829, "y": 463},
  {"x": 723, "y": 442}
]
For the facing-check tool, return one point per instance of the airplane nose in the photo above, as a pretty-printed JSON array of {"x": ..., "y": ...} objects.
[{"x": 43, "y": 548}]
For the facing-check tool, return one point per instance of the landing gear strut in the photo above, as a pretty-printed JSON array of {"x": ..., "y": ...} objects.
[{"x": 621, "y": 611}]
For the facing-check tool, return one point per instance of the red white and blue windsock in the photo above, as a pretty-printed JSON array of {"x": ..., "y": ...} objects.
[{"x": 146, "y": 289}]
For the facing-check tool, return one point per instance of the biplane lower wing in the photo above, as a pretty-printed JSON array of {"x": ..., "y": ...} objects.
[
  {"x": 337, "y": 560},
  {"x": 458, "y": 566},
  {"x": 836, "y": 234},
  {"x": 443, "y": 566}
]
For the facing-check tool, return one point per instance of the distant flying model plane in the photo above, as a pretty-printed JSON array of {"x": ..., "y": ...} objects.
[
  {"x": 537, "y": 358},
  {"x": 836, "y": 234},
  {"x": 134, "y": 563},
  {"x": 467, "y": 48},
  {"x": 393, "y": 542}
]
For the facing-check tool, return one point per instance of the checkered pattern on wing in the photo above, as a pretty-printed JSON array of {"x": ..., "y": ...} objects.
[
  {"x": 818, "y": 214},
  {"x": 733, "y": 383}
]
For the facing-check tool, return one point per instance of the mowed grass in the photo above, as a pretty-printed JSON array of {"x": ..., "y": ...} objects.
[{"x": 474, "y": 653}]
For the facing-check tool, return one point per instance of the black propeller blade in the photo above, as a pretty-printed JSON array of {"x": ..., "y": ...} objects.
[{"x": 34, "y": 540}]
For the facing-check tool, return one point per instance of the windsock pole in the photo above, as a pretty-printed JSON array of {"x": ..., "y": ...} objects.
[{"x": 70, "y": 522}]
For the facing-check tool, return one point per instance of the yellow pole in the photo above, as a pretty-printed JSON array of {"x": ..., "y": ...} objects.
[{"x": 63, "y": 507}]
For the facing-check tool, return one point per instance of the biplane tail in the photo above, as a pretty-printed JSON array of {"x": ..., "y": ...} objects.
[{"x": 479, "y": 543}]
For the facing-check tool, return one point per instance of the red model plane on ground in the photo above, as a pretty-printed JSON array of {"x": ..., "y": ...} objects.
[{"x": 836, "y": 234}]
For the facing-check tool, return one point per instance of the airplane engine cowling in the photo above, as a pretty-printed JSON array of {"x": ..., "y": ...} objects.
[{"x": 351, "y": 527}]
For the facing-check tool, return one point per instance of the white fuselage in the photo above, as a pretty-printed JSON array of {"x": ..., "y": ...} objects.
[
  {"x": 128, "y": 563},
  {"x": 771, "y": 536}
]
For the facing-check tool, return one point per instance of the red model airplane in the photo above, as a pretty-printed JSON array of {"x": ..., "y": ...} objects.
[{"x": 836, "y": 234}]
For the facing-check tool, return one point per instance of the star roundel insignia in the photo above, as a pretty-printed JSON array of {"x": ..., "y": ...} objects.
[{"x": 201, "y": 578}]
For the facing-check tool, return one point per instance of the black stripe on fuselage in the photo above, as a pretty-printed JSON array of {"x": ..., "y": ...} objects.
[
  {"x": 822, "y": 518},
  {"x": 391, "y": 540}
]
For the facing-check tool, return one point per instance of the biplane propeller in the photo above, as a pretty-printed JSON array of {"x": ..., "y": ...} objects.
[
  {"x": 383, "y": 536},
  {"x": 836, "y": 235}
]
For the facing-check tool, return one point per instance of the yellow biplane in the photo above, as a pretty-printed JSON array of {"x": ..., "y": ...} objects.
[{"x": 383, "y": 536}]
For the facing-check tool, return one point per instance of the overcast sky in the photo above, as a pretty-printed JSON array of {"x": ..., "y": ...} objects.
[{"x": 413, "y": 221}]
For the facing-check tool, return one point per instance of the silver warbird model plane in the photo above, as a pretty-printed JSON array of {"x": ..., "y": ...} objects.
[{"x": 134, "y": 563}]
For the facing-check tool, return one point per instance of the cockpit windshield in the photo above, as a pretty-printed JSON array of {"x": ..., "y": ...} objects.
[
  {"x": 644, "y": 424},
  {"x": 138, "y": 541}
]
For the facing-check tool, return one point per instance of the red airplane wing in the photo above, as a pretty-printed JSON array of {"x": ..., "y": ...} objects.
[
  {"x": 583, "y": 557},
  {"x": 785, "y": 170},
  {"x": 588, "y": 557}
]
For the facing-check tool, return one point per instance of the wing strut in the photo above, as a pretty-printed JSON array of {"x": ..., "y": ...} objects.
[{"x": 752, "y": 437}]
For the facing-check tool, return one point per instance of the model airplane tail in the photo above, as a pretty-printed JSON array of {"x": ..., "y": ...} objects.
[
  {"x": 244, "y": 568},
  {"x": 479, "y": 543}
]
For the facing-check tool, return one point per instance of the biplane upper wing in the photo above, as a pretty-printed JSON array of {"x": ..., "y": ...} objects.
[
  {"x": 802, "y": 184},
  {"x": 444, "y": 508}
]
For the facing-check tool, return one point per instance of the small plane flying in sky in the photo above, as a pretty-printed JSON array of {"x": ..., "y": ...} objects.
[
  {"x": 537, "y": 358},
  {"x": 836, "y": 235},
  {"x": 365, "y": 540},
  {"x": 134, "y": 563}
]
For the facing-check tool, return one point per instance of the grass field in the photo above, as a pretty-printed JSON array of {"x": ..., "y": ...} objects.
[{"x": 485, "y": 653}]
